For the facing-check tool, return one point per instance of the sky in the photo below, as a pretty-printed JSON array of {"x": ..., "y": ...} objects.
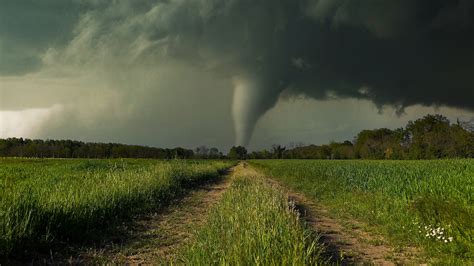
[{"x": 186, "y": 73}]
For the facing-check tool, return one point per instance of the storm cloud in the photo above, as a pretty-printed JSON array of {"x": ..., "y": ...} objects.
[{"x": 396, "y": 53}]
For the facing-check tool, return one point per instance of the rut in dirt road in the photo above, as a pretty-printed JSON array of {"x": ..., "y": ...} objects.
[
  {"x": 157, "y": 238},
  {"x": 153, "y": 238},
  {"x": 353, "y": 245},
  {"x": 343, "y": 246}
]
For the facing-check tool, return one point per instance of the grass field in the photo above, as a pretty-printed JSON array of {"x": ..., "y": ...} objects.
[
  {"x": 42, "y": 200},
  {"x": 426, "y": 204},
  {"x": 254, "y": 224}
]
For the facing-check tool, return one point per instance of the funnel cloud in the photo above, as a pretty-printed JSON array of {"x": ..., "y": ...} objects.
[
  {"x": 130, "y": 58},
  {"x": 250, "y": 101}
]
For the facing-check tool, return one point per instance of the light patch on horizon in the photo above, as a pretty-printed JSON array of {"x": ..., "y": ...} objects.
[{"x": 25, "y": 123}]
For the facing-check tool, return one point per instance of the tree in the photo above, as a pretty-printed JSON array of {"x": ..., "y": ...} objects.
[
  {"x": 344, "y": 150},
  {"x": 237, "y": 153},
  {"x": 429, "y": 137},
  {"x": 264, "y": 154},
  {"x": 202, "y": 152},
  {"x": 309, "y": 152},
  {"x": 76, "y": 149},
  {"x": 278, "y": 151},
  {"x": 380, "y": 143},
  {"x": 214, "y": 153}
]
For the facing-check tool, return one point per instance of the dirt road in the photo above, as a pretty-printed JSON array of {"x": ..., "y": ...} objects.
[
  {"x": 156, "y": 238},
  {"x": 343, "y": 245}
]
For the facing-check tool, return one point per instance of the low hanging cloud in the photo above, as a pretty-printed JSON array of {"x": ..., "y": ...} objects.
[{"x": 395, "y": 52}]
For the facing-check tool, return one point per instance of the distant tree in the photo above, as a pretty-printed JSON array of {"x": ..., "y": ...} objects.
[
  {"x": 20, "y": 147},
  {"x": 237, "y": 153},
  {"x": 181, "y": 153},
  {"x": 263, "y": 154},
  {"x": 461, "y": 142},
  {"x": 432, "y": 136},
  {"x": 214, "y": 153},
  {"x": 309, "y": 152},
  {"x": 344, "y": 150},
  {"x": 429, "y": 137},
  {"x": 294, "y": 144},
  {"x": 278, "y": 151},
  {"x": 380, "y": 143},
  {"x": 202, "y": 152}
]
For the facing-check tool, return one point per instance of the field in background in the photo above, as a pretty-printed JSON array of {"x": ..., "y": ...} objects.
[
  {"x": 426, "y": 204},
  {"x": 42, "y": 200}
]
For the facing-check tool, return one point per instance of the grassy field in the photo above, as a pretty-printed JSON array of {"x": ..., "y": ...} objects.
[
  {"x": 423, "y": 204},
  {"x": 426, "y": 204},
  {"x": 42, "y": 200},
  {"x": 254, "y": 224}
]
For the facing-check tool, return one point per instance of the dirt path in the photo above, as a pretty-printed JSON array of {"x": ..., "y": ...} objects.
[
  {"x": 347, "y": 242},
  {"x": 149, "y": 239},
  {"x": 344, "y": 244},
  {"x": 155, "y": 238}
]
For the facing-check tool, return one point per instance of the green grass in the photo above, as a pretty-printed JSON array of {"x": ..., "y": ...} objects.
[
  {"x": 253, "y": 224},
  {"x": 42, "y": 200},
  {"x": 407, "y": 201}
]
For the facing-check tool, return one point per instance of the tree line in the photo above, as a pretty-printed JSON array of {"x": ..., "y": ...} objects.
[
  {"x": 19, "y": 147},
  {"x": 430, "y": 137}
]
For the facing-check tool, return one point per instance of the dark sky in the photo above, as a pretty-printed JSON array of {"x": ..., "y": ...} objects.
[{"x": 219, "y": 72}]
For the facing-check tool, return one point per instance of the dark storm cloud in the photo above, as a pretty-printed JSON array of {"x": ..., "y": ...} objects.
[
  {"x": 29, "y": 27},
  {"x": 404, "y": 52},
  {"x": 396, "y": 53},
  {"x": 393, "y": 52}
]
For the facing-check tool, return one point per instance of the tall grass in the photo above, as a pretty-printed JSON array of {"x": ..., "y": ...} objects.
[
  {"x": 428, "y": 204},
  {"x": 252, "y": 225},
  {"x": 42, "y": 200}
]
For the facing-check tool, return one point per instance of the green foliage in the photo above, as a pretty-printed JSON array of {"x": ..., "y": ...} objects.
[
  {"x": 380, "y": 144},
  {"x": 46, "y": 199},
  {"x": 278, "y": 151},
  {"x": 19, "y": 147},
  {"x": 252, "y": 225},
  {"x": 263, "y": 154},
  {"x": 203, "y": 152},
  {"x": 428, "y": 204},
  {"x": 237, "y": 153},
  {"x": 431, "y": 137}
]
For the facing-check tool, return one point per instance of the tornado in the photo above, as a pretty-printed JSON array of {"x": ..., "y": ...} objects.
[
  {"x": 401, "y": 53},
  {"x": 253, "y": 96}
]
